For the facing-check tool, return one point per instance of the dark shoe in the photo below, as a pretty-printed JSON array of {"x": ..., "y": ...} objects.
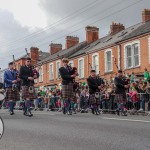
[
  {"x": 69, "y": 113},
  {"x": 30, "y": 114},
  {"x": 63, "y": 110},
  {"x": 97, "y": 113},
  {"x": 11, "y": 113},
  {"x": 93, "y": 111},
  {"x": 25, "y": 113}
]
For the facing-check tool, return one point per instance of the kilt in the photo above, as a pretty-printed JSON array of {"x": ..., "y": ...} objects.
[
  {"x": 93, "y": 100},
  {"x": 26, "y": 94},
  {"x": 120, "y": 98},
  {"x": 12, "y": 95},
  {"x": 67, "y": 91}
]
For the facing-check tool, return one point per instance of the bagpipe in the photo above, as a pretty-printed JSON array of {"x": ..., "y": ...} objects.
[
  {"x": 35, "y": 75},
  {"x": 73, "y": 70},
  {"x": 127, "y": 81}
]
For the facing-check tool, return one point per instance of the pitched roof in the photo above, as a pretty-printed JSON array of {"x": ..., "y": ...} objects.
[
  {"x": 64, "y": 53},
  {"x": 42, "y": 55},
  {"x": 143, "y": 29},
  {"x": 109, "y": 40}
]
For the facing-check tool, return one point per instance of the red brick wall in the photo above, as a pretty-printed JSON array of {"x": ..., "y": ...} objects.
[
  {"x": 19, "y": 63},
  {"x": 144, "y": 56}
]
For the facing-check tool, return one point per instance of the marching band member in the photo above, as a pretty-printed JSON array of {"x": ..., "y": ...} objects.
[
  {"x": 12, "y": 92},
  {"x": 120, "y": 92},
  {"x": 27, "y": 75},
  {"x": 67, "y": 85},
  {"x": 95, "y": 85}
]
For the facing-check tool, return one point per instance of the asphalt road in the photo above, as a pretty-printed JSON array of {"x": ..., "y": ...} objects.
[{"x": 55, "y": 131}]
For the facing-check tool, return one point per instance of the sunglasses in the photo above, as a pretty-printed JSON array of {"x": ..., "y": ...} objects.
[{"x": 29, "y": 61}]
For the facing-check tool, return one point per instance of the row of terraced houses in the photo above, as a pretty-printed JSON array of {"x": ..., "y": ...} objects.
[{"x": 123, "y": 48}]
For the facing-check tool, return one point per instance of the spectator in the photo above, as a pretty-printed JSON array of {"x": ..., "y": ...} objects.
[
  {"x": 132, "y": 78},
  {"x": 146, "y": 76}
]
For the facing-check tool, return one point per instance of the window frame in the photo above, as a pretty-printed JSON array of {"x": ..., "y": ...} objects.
[
  {"x": 50, "y": 71},
  {"x": 106, "y": 64},
  {"x": 80, "y": 77},
  {"x": 149, "y": 49},
  {"x": 57, "y": 69},
  {"x": 132, "y": 55},
  {"x": 41, "y": 76},
  {"x": 95, "y": 54}
]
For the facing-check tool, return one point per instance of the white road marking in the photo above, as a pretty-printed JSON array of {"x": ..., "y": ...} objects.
[{"x": 131, "y": 120}]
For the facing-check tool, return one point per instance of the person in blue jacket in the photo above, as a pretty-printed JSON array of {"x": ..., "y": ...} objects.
[{"x": 12, "y": 92}]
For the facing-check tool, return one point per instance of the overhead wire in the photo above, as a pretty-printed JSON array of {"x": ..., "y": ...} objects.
[{"x": 122, "y": 9}]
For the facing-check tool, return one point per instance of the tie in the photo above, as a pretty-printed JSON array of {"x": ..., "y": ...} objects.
[{"x": 67, "y": 69}]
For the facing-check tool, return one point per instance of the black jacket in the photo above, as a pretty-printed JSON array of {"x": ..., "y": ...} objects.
[
  {"x": 26, "y": 72},
  {"x": 120, "y": 83},
  {"x": 93, "y": 84},
  {"x": 65, "y": 75}
]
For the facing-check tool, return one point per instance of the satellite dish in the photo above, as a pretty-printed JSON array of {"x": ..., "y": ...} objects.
[{"x": 1, "y": 127}]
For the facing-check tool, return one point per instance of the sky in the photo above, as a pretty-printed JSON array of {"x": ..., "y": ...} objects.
[{"x": 26, "y": 23}]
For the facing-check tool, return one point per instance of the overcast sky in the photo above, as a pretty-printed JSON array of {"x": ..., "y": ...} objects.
[{"x": 26, "y": 23}]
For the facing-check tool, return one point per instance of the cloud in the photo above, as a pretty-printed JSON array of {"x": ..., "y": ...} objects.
[
  {"x": 57, "y": 19},
  {"x": 27, "y": 12}
]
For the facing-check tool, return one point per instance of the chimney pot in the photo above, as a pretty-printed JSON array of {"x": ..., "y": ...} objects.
[
  {"x": 34, "y": 54},
  {"x": 71, "y": 41},
  {"x": 92, "y": 34},
  {"x": 145, "y": 15},
  {"x": 116, "y": 27},
  {"x": 54, "y": 48}
]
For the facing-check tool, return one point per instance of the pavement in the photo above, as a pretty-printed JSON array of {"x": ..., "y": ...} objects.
[{"x": 55, "y": 131}]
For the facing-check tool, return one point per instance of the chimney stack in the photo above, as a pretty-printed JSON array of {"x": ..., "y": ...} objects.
[
  {"x": 115, "y": 28},
  {"x": 34, "y": 54},
  {"x": 71, "y": 41},
  {"x": 145, "y": 15},
  {"x": 54, "y": 48},
  {"x": 92, "y": 34}
]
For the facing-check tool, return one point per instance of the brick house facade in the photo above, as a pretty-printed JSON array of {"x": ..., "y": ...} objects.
[{"x": 124, "y": 48}]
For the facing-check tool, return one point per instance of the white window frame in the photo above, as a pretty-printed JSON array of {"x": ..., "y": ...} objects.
[
  {"x": 50, "y": 71},
  {"x": 41, "y": 76},
  {"x": 80, "y": 77},
  {"x": 95, "y": 54},
  {"x": 71, "y": 62},
  {"x": 149, "y": 49},
  {"x": 119, "y": 56},
  {"x": 57, "y": 69},
  {"x": 125, "y": 55},
  {"x": 106, "y": 66}
]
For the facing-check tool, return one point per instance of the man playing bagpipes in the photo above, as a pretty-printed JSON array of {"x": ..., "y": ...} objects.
[
  {"x": 27, "y": 75},
  {"x": 120, "y": 92},
  {"x": 68, "y": 76},
  {"x": 12, "y": 91},
  {"x": 95, "y": 86}
]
